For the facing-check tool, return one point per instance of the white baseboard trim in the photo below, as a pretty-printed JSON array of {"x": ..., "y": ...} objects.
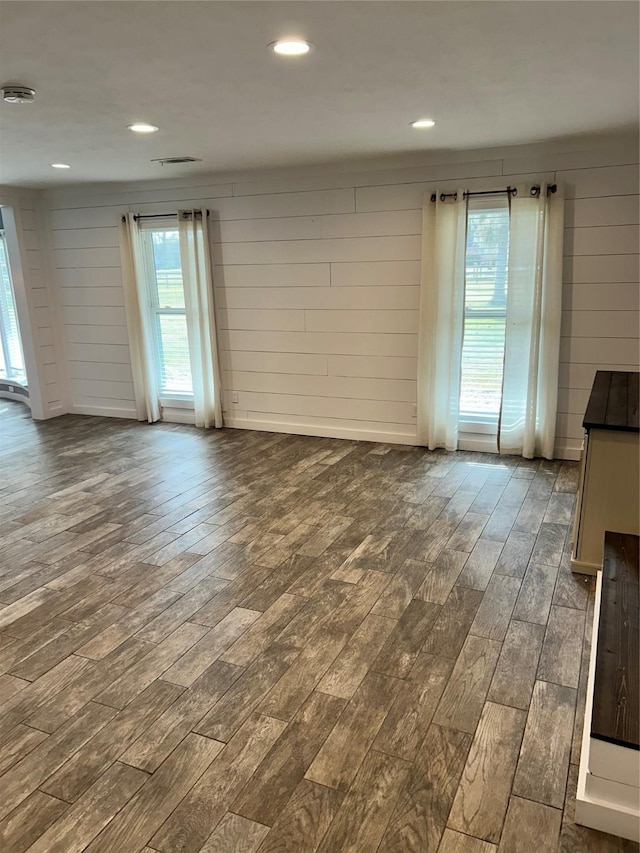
[
  {"x": 103, "y": 412},
  {"x": 570, "y": 449},
  {"x": 171, "y": 415},
  {"x": 603, "y": 815},
  {"x": 321, "y": 431},
  {"x": 56, "y": 410},
  {"x": 477, "y": 442},
  {"x": 581, "y": 568}
]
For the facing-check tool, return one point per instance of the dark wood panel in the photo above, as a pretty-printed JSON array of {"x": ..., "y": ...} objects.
[
  {"x": 633, "y": 400},
  {"x": 616, "y": 415},
  {"x": 613, "y": 403},
  {"x": 596, "y": 412},
  {"x": 616, "y": 699}
]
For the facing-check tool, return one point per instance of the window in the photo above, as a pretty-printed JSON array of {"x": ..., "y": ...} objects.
[
  {"x": 161, "y": 248},
  {"x": 11, "y": 358},
  {"x": 485, "y": 309},
  {"x": 167, "y": 277}
]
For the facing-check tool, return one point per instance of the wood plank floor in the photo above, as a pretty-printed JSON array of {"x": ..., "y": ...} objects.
[{"x": 254, "y": 643}]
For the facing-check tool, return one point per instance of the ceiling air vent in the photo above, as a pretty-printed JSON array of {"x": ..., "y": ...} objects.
[{"x": 173, "y": 161}]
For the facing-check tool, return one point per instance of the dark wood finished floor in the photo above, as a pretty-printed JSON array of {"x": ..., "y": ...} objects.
[{"x": 252, "y": 643}]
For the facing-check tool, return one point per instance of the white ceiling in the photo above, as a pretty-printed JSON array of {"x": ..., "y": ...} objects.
[{"x": 490, "y": 73}]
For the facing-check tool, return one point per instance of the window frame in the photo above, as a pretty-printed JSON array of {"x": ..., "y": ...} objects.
[
  {"x": 167, "y": 397},
  {"x": 10, "y": 374},
  {"x": 468, "y": 422}
]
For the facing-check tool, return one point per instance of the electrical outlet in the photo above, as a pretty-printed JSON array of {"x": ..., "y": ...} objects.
[{"x": 234, "y": 397}]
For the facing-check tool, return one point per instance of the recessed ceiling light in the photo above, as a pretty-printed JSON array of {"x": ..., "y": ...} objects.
[
  {"x": 142, "y": 127},
  {"x": 290, "y": 47},
  {"x": 61, "y": 165},
  {"x": 423, "y": 122}
]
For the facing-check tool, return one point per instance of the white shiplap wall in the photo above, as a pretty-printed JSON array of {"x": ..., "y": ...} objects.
[
  {"x": 36, "y": 299},
  {"x": 317, "y": 280}
]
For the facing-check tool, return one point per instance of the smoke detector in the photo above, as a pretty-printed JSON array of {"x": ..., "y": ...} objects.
[
  {"x": 14, "y": 94},
  {"x": 174, "y": 161}
]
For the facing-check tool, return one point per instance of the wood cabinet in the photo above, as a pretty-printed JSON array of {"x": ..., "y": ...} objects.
[{"x": 609, "y": 490}]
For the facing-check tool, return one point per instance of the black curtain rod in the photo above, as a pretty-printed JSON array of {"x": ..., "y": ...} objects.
[
  {"x": 534, "y": 191},
  {"x": 156, "y": 215}
]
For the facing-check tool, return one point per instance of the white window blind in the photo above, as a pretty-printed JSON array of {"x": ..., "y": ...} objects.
[
  {"x": 167, "y": 309},
  {"x": 11, "y": 358},
  {"x": 487, "y": 254}
]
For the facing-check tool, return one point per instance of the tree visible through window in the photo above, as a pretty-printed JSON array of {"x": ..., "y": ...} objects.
[
  {"x": 167, "y": 307},
  {"x": 487, "y": 255}
]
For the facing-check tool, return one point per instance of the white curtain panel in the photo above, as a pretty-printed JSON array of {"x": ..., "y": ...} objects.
[
  {"x": 534, "y": 309},
  {"x": 140, "y": 336},
  {"x": 197, "y": 276},
  {"x": 441, "y": 323}
]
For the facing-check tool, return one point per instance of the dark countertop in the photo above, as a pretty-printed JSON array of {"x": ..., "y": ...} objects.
[{"x": 614, "y": 402}]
